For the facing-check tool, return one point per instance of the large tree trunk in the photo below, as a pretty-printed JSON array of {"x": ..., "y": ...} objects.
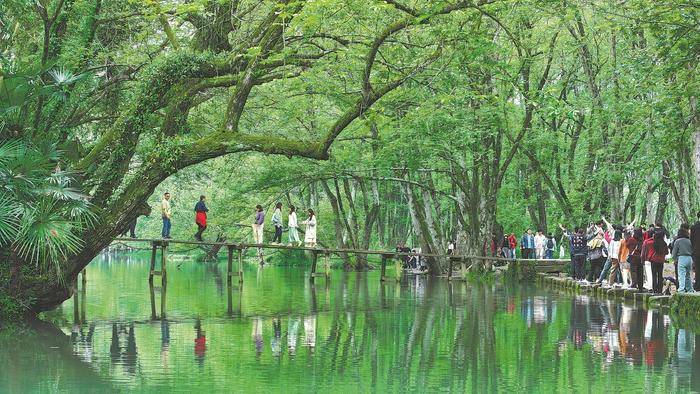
[
  {"x": 695, "y": 121},
  {"x": 338, "y": 225},
  {"x": 420, "y": 226}
]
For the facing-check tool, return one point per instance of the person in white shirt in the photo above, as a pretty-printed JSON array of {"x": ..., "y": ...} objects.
[
  {"x": 614, "y": 256},
  {"x": 540, "y": 244},
  {"x": 166, "y": 213},
  {"x": 293, "y": 226},
  {"x": 310, "y": 237}
]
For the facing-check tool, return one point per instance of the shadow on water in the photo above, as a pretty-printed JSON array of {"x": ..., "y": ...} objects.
[
  {"x": 279, "y": 332},
  {"x": 38, "y": 357}
]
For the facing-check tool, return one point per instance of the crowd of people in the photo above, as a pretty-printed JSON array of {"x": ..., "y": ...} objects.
[
  {"x": 200, "y": 219},
  {"x": 412, "y": 259},
  {"x": 532, "y": 246},
  {"x": 626, "y": 256},
  {"x": 632, "y": 256}
]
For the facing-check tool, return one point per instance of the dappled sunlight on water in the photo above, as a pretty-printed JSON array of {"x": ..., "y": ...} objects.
[{"x": 278, "y": 332}]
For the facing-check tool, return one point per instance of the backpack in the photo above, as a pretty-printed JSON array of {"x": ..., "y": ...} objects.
[
  {"x": 550, "y": 244},
  {"x": 578, "y": 242}
]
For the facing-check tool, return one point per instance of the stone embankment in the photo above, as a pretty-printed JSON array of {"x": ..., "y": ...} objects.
[{"x": 683, "y": 306}]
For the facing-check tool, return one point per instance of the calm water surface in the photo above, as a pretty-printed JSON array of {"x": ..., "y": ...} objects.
[{"x": 278, "y": 332}]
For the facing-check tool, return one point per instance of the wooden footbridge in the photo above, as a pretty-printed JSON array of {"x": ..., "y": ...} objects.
[{"x": 548, "y": 265}]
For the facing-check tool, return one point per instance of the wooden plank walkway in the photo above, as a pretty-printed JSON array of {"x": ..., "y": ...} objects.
[{"x": 544, "y": 265}]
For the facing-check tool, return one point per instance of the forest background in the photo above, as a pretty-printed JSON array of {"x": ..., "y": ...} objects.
[{"x": 397, "y": 121}]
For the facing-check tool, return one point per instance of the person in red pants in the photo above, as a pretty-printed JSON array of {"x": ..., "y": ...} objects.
[{"x": 200, "y": 217}]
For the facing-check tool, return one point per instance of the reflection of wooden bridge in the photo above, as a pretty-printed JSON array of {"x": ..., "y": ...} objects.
[{"x": 551, "y": 265}]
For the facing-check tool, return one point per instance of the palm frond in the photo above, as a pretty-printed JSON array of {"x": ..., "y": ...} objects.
[{"x": 10, "y": 211}]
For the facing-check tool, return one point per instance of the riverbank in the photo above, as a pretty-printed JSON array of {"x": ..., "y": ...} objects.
[{"x": 684, "y": 307}]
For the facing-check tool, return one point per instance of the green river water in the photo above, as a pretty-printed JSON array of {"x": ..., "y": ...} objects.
[{"x": 279, "y": 333}]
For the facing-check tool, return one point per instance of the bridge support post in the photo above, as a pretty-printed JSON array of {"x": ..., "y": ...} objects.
[
  {"x": 154, "y": 316},
  {"x": 451, "y": 268},
  {"x": 229, "y": 265},
  {"x": 76, "y": 302},
  {"x": 382, "y": 275},
  {"x": 153, "y": 262},
  {"x": 240, "y": 265},
  {"x": 450, "y": 275},
  {"x": 163, "y": 262},
  {"x": 314, "y": 261},
  {"x": 83, "y": 273},
  {"x": 163, "y": 290}
]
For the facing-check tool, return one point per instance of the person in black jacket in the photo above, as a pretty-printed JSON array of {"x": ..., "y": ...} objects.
[{"x": 695, "y": 241}]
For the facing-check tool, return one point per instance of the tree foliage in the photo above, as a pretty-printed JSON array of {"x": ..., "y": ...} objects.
[{"x": 431, "y": 119}]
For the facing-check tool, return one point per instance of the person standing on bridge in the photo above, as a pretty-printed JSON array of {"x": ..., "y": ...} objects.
[
  {"x": 578, "y": 250},
  {"x": 258, "y": 224},
  {"x": 527, "y": 245},
  {"x": 166, "y": 212},
  {"x": 293, "y": 225},
  {"x": 540, "y": 244},
  {"x": 277, "y": 222},
  {"x": 550, "y": 246},
  {"x": 682, "y": 255},
  {"x": 695, "y": 242},
  {"x": 310, "y": 237},
  {"x": 655, "y": 250},
  {"x": 512, "y": 244},
  {"x": 200, "y": 217}
]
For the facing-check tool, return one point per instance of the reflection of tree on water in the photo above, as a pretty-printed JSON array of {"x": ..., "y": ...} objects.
[
  {"x": 200, "y": 343},
  {"x": 213, "y": 269},
  {"x": 42, "y": 358}
]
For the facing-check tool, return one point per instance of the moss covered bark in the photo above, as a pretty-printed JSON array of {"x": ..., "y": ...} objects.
[{"x": 685, "y": 308}]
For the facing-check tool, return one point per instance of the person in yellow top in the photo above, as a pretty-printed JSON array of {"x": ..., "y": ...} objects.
[{"x": 166, "y": 213}]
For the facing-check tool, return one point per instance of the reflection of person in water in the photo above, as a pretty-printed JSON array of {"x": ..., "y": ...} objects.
[
  {"x": 292, "y": 330},
  {"x": 310, "y": 332},
  {"x": 656, "y": 342},
  {"x": 200, "y": 343},
  {"x": 633, "y": 333},
  {"x": 114, "y": 348},
  {"x": 695, "y": 377},
  {"x": 685, "y": 343},
  {"x": 129, "y": 357},
  {"x": 578, "y": 325},
  {"x": 276, "y": 342},
  {"x": 258, "y": 335},
  {"x": 164, "y": 343}
]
